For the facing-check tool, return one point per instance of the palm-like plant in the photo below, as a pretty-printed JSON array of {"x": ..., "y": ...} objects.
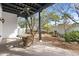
[
  {"x": 76, "y": 7},
  {"x": 66, "y": 16},
  {"x": 65, "y": 13}
]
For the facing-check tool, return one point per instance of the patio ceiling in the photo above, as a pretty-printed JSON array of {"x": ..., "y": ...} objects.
[{"x": 21, "y": 8}]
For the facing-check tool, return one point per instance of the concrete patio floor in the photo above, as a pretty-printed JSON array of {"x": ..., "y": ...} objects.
[{"x": 37, "y": 49}]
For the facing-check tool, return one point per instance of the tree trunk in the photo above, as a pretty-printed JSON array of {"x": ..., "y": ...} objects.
[
  {"x": 64, "y": 26},
  {"x": 55, "y": 29},
  {"x": 47, "y": 28},
  {"x": 26, "y": 28}
]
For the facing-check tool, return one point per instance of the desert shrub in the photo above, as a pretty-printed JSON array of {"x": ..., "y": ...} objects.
[{"x": 72, "y": 36}]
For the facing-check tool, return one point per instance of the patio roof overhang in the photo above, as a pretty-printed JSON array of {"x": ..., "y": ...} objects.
[
  {"x": 20, "y": 8},
  {"x": 26, "y": 10}
]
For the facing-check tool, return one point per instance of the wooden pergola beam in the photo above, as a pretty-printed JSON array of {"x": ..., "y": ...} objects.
[
  {"x": 11, "y": 10},
  {"x": 13, "y": 6},
  {"x": 38, "y": 5},
  {"x": 29, "y": 7},
  {"x": 18, "y": 8}
]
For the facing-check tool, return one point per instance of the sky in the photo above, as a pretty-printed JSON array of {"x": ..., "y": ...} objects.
[{"x": 65, "y": 7}]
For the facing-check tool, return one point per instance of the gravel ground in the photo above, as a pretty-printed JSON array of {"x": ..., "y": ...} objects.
[
  {"x": 50, "y": 46},
  {"x": 37, "y": 49}
]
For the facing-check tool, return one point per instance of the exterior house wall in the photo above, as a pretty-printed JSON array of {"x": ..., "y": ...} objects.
[
  {"x": 75, "y": 27},
  {"x": 0, "y": 28},
  {"x": 0, "y": 21},
  {"x": 69, "y": 28},
  {"x": 10, "y": 25},
  {"x": 60, "y": 30}
]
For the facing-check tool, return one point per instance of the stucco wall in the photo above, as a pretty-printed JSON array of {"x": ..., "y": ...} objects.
[
  {"x": 0, "y": 28},
  {"x": 10, "y": 25},
  {"x": 0, "y": 21}
]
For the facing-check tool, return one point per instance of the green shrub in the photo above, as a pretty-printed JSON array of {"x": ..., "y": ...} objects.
[
  {"x": 51, "y": 33},
  {"x": 72, "y": 36}
]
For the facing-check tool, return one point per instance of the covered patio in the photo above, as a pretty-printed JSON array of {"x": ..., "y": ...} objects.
[{"x": 32, "y": 42}]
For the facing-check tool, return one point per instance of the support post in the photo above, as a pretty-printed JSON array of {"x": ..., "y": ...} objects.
[{"x": 39, "y": 26}]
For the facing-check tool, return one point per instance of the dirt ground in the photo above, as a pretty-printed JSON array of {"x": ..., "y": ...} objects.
[
  {"x": 56, "y": 41},
  {"x": 49, "y": 46}
]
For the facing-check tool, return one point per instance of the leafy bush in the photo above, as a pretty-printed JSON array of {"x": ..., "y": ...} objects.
[{"x": 72, "y": 36}]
